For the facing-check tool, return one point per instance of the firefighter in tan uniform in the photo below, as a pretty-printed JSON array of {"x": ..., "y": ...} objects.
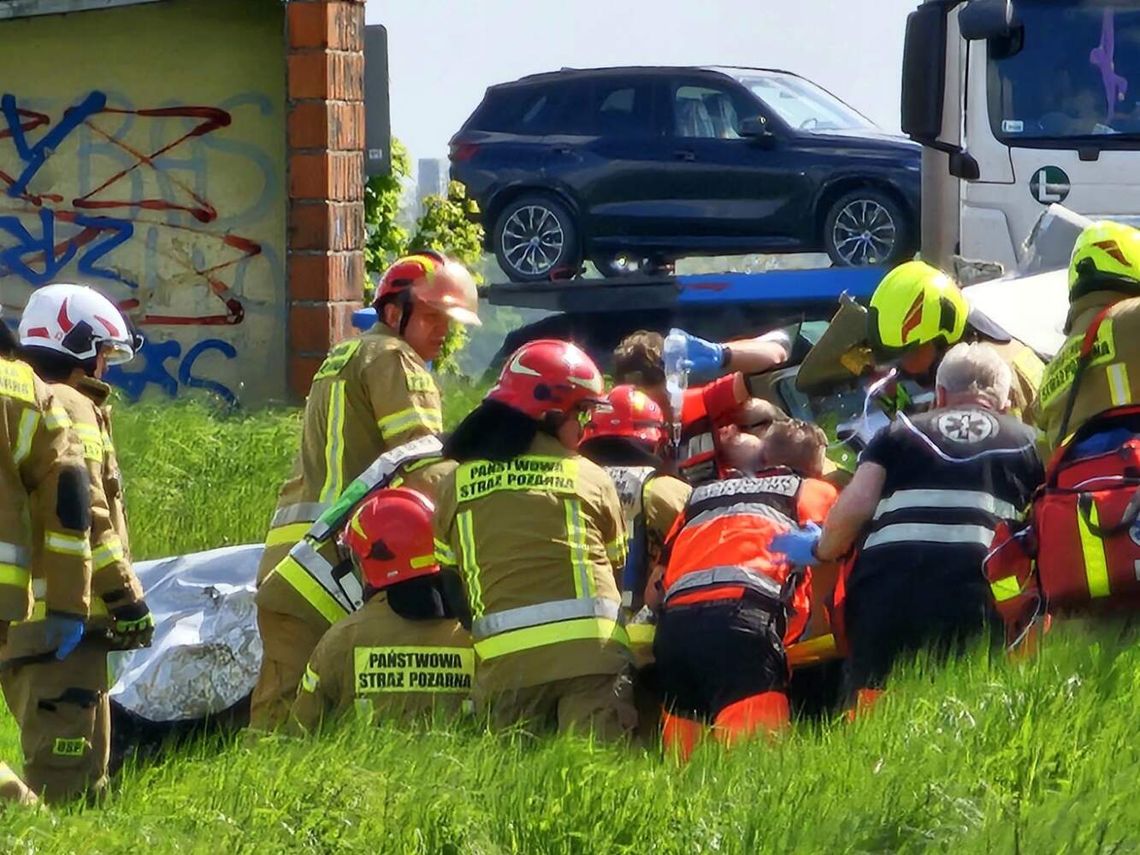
[
  {"x": 45, "y": 590},
  {"x": 403, "y": 654},
  {"x": 1104, "y": 288},
  {"x": 374, "y": 392},
  {"x": 534, "y": 535}
]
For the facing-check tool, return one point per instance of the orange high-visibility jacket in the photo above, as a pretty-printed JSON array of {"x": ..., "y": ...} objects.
[{"x": 719, "y": 547}]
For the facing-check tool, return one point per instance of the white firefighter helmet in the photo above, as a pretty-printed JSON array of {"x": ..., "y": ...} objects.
[{"x": 77, "y": 321}]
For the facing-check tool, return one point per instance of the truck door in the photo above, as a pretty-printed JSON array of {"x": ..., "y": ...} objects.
[{"x": 1053, "y": 115}]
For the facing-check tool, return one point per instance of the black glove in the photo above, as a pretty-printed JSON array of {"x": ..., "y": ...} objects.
[{"x": 132, "y": 626}]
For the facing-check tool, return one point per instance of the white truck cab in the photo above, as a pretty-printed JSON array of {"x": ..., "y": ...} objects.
[{"x": 1020, "y": 104}]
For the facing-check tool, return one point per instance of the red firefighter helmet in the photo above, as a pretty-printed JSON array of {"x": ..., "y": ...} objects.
[
  {"x": 630, "y": 414},
  {"x": 432, "y": 278},
  {"x": 390, "y": 537},
  {"x": 548, "y": 376}
]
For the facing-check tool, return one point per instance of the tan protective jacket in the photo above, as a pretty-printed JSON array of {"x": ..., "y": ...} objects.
[
  {"x": 1028, "y": 370},
  {"x": 113, "y": 579},
  {"x": 539, "y": 543},
  {"x": 38, "y": 551},
  {"x": 390, "y": 666},
  {"x": 371, "y": 394},
  {"x": 1112, "y": 378}
]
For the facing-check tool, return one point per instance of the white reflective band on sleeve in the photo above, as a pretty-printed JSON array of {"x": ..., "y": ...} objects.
[
  {"x": 1118, "y": 386},
  {"x": 930, "y": 533},
  {"x": 301, "y": 512},
  {"x": 29, "y": 421},
  {"x": 543, "y": 613},
  {"x": 10, "y": 553},
  {"x": 67, "y": 544},
  {"x": 973, "y": 500}
]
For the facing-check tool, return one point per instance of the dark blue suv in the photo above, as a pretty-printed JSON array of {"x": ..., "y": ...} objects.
[{"x": 628, "y": 166}]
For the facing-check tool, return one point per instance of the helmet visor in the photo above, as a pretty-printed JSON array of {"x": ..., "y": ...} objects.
[{"x": 116, "y": 351}]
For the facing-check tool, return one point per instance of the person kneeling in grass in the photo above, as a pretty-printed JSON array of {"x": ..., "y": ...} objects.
[{"x": 403, "y": 654}]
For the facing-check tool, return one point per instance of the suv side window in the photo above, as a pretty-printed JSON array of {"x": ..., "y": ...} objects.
[
  {"x": 707, "y": 111},
  {"x": 623, "y": 108}
]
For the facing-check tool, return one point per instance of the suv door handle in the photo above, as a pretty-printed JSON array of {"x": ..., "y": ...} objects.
[
  {"x": 563, "y": 149},
  {"x": 685, "y": 154}
]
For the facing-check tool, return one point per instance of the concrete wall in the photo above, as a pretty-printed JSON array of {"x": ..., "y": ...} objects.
[{"x": 143, "y": 151}]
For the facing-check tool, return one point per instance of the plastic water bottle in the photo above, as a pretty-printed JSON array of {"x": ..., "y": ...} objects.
[{"x": 676, "y": 378}]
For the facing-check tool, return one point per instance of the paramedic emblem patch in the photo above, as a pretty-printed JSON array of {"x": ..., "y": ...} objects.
[{"x": 967, "y": 426}]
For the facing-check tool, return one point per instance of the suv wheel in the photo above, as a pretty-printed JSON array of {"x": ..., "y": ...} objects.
[
  {"x": 534, "y": 238},
  {"x": 866, "y": 227}
]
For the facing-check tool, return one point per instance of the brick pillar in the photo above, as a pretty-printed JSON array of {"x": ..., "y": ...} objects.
[{"x": 325, "y": 259}]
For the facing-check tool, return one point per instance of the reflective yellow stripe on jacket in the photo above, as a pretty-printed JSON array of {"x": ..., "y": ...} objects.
[
  {"x": 404, "y": 420},
  {"x": 586, "y": 617},
  {"x": 14, "y": 565},
  {"x": 1092, "y": 547}
]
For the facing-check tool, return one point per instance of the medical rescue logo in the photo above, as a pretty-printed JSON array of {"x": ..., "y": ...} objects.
[
  {"x": 965, "y": 426},
  {"x": 1050, "y": 185}
]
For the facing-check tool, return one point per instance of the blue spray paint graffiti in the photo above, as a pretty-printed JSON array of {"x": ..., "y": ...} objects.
[{"x": 117, "y": 196}]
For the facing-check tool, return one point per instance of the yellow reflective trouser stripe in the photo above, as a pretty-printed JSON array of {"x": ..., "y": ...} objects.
[
  {"x": 641, "y": 634},
  {"x": 309, "y": 588},
  {"x": 310, "y": 680},
  {"x": 1005, "y": 589},
  {"x": 470, "y": 563},
  {"x": 334, "y": 443},
  {"x": 444, "y": 554},
  {"x": 405, "y": 420},
  {"x": 581, "y": 629},
  {"x": 67, "y": 544},
  {"x": 576, "y": 538},
  {"x": 14, "y": 574},
  {"x": 1092, "y": 547},
  {"x": 813, "y": 650},
  {"x": 107, "y": 553},
  {"x": 1118, "y": 386},
  {"x": 29, "y": 421},
  {"x": 287, "y": 533}
]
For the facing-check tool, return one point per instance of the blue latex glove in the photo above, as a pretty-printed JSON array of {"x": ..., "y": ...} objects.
[
  {"x": 798, "y": 544},
  {"x": 702, "y": 358},
  {"x": 63, "y": 633}
]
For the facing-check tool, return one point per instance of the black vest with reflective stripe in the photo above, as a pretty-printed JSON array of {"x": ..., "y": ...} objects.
[
  {"x": 951, "y": 475},
  {"x": 777, "y": 489}
]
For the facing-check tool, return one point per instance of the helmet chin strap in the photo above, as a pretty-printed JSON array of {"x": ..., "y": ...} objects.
[{"x": 405, "y": 302}]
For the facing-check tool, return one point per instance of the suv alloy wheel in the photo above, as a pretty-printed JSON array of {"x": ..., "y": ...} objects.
[
  {"x": 534, "y": 237},
  {"x": 866, "y": 227}
]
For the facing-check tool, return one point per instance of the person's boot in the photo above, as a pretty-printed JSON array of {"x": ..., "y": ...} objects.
[
  {"x": 865, "y": 699},
  {"x": 680, "y": 736},
  {"x": 768, "y": 713}
]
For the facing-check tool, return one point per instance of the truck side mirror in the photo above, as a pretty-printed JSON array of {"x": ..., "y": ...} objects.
[
  {"x": 924, "y": 73},
  {"x": 983, "y": 20}
]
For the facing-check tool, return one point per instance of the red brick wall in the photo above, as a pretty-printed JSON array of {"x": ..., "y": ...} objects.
[{"x": 325, "y": 260}]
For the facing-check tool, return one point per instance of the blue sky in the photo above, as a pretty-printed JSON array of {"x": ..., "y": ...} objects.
[{"x": 444, "y": 53}]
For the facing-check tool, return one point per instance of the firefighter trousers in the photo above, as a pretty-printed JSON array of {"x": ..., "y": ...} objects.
[
  {"x": 64, "y": 715},
  {"x": 597, "y": 703},
  {"x": 288, "y": 643}
]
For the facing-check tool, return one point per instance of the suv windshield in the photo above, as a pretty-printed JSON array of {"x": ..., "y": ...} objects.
[
  {"x": 1072, "y": 72},
  {"x": 801, "y": 104}
]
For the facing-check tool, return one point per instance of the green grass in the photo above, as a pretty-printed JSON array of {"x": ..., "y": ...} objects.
[{"x": 980, "y": 756}]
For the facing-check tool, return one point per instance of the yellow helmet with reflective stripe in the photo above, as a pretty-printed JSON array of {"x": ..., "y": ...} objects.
[
  {"x": 1106, "y": 257},
  {"x": 916, "y": 304}
]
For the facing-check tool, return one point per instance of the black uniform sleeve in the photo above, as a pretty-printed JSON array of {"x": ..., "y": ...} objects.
[{"x": 883, "y": 447}]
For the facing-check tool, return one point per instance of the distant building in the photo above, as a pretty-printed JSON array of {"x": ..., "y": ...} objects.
[{"x": 431, "y": 178}]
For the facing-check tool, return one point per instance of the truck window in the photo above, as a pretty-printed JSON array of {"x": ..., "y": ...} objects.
[{"x": 1072, "y": 73}]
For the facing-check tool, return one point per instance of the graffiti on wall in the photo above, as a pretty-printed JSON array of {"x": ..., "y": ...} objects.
[{"x": 162, "y": 208}]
